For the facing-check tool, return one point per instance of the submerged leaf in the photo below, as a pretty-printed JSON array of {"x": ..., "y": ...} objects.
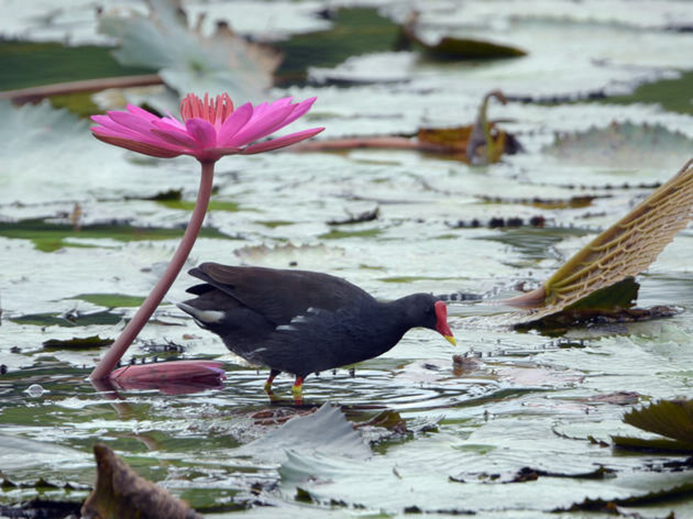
[
  {"x": 120, "y": 492},
  {"x": 625, "y": 249}
]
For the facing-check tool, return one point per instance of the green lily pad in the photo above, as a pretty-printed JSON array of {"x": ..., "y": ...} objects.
[
  {"x": 354, "y": 31},
  {"x": 453, "y": 48},
  {"x": 335, "y": 234},
  {"x": 93, "y": 341},
  {"x": 49, "y": 319},
  {"x": 25, "y": 64},
  {"x": 49, "y": 237},
  {"x": 189, "y": 205},
  {"x": 652, "y": 444},
  {"x": 111, "y": 300}
]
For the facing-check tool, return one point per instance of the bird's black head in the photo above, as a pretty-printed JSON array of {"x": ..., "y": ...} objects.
[{"x": 427, "y": 311}]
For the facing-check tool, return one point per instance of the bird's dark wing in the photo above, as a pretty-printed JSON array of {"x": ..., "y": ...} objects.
[
  {"x": 280, "y": 295},
  {"x": 317, "y": 341}
]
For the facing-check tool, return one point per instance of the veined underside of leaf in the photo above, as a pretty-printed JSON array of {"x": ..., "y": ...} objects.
[
  {"x": 670, "y": 418},
  {"x": 625, "y": 249}
]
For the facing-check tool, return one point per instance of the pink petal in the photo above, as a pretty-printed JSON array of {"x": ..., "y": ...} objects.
[
  {"x": 260, "y": 110},
  {"x": 130, "y": 121},
  {"x": 234, "y": 123},
  {"x": 263, "y": 109},
  {"x": 260, "y": 128},
  {"x": 226, "y": 150},
  {"x": 299, "y": 110},
  {"x": 140, "y": 112},
  {"x": 202, "y": 131},
  {"x": 107, "y": 123},
  {"x": 174, "y": 136},
  {"x": 114, "y": 130},
  {"x": 280, "y": 103},
  {"x": 282, "y": 142},
  {"x": 139, "y": 146}
]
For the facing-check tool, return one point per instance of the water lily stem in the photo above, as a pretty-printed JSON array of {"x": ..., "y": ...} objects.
[{"x": 120, "y": 346}]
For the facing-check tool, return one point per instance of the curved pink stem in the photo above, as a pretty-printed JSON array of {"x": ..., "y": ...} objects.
[{"x": 120, "y": 346}]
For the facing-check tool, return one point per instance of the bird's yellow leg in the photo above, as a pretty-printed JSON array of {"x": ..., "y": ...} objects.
[
  {"x": 297, "y": 390},
  {"x": 268, "y": 383}
]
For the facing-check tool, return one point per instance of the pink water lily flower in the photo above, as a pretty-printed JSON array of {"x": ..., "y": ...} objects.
[{"x": 210, "y": 129}]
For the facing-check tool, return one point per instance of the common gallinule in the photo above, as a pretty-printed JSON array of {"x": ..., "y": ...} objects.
[{"x": 303, "y": 322}]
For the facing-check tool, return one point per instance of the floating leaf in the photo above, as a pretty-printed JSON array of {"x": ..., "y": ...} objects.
[
  {"x": 366, "y": 216},
  {"x": 652, "y": 444},
  {"x": 50, "y": 237},
  {"x": 532, "y": 474},
  {"x": 110, "y": 300},
  {"x": 27, "y": 64},
  {"x": 625, "y": 249},
  {"x": 452, "y": 48},
  {"x": 18, "y": 453},
  {"x": 68, "y": 319},
  {"x": 623, "y": 145},
  {"x": 672, "y": 493},
  {"x": 78, "y": 343},
  {"x": 355, "y": 31},
  {"x": 120, "y": 492},
  {"x": 188, "y": 205}
]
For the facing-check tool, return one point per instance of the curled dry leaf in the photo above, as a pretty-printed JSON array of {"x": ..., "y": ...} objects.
[
  {"x": 480, "y": 144},
  {"x": 625, "y": 249},
  {"x": 120, "y": 492}
]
